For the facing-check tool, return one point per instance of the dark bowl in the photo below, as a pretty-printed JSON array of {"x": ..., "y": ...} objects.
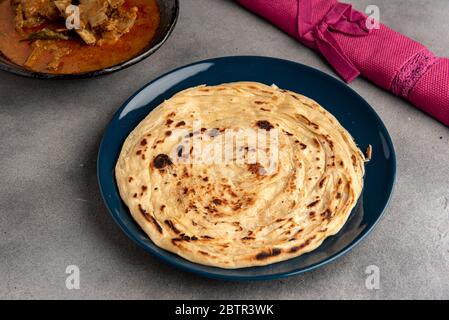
[{"x": 169, "y": 16}]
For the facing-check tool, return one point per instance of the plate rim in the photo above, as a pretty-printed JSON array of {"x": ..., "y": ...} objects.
[{"x": 280, "y": 275}]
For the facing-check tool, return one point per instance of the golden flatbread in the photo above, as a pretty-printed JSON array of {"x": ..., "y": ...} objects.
[{"x": 240, "y": 174}]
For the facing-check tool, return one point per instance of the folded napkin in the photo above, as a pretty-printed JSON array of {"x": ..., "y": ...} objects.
[{"x": 382, "y": 55}]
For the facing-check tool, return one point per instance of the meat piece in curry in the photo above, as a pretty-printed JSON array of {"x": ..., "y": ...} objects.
[
  {"x": 33, "y": 33},
  {"x": 32, "y": 13},
  {"x": 102, "y": 20}
]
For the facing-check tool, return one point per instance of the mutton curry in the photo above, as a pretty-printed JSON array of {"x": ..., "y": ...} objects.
[{"x": 33, "y": 33}]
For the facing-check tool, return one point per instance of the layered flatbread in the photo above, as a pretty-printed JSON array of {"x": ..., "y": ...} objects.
[{"x": 240, "y": 174}]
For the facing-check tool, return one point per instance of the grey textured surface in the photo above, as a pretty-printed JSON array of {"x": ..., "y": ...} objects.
[{"x": 51, "y": 214}]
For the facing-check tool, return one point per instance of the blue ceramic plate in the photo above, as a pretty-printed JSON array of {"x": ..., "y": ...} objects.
[{"x": 351, "y": 110}]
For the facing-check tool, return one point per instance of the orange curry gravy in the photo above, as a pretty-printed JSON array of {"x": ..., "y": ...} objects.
[{"x": 81, "y": 57}]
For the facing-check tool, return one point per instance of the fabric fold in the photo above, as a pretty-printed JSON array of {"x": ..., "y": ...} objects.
[{"x": 385, "y": 57}]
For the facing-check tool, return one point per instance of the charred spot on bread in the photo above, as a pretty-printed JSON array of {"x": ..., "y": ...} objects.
[
  {"x": 268, "y": 253},
  {"x": 264, "y": 125},
  {"x": 150, "y": 218},
  {"x": 180, "y": 124},
  {"x": 312, "y": 204},
  {"x": 170, "y": 224},
  {"x": 257, "y": 168},
  {"x": 161, "y": 161}
]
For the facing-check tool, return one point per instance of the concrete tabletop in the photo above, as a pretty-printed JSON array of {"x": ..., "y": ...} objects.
[{"x": 52, "y": 215}]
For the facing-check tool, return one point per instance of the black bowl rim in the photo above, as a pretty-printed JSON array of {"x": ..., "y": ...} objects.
[{"x": 104, "y": 71}]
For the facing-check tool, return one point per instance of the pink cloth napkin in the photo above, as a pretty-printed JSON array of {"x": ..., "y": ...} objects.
[{"x": 384, "y": 56}]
